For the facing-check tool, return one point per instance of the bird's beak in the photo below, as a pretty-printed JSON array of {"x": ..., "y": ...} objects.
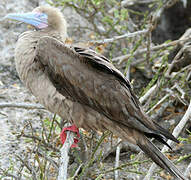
[{"x": 36, "y": 19}]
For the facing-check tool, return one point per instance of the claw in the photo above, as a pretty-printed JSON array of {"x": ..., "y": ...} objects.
[{"x": 63, "y": 135}]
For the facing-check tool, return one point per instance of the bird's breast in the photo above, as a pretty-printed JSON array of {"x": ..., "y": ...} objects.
[{"x": 24, "y": 56}]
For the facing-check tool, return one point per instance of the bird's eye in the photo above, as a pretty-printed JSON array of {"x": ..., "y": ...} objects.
[{"x": 42, "y": 16}]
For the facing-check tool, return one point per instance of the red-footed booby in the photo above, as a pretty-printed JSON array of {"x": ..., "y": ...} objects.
[{"x": 83, "y": 86}]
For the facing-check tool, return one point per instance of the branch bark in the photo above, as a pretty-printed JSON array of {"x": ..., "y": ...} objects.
[
  {"x": 127, "y": 35},
  {"x": 64, "y": 158},
  {"x": 21, "y": 105},
  {"x": 188, "y": 170},
  {"x": 117, "y": 160}
]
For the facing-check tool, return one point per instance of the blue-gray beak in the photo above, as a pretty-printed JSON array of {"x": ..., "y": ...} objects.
[{"x": 38, "y": 20}]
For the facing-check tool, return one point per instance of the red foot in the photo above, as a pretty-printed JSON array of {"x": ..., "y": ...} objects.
[{"x": 72, "y": 128}]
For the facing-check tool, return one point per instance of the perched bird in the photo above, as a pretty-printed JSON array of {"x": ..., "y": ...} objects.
[{"x": 83, "y": 86}]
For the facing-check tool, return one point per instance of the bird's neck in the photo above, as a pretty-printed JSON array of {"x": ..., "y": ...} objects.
[
  {"x": 36, "y": 35},
  {"x": 59, "y": 35},
  {"x": 25, "y": 50}
]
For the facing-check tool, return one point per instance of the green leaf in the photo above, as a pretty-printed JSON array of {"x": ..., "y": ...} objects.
[
  {"x": 124, "y": 14},
  {"x": 108, "y": 20},
  {"x": 97, "y": 2},
  {"x": 132, "y": 156},
  {"x": 116, "y": 13}
]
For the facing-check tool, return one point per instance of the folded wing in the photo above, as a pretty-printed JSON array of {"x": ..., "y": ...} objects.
[{"x": 89, "y": 78}]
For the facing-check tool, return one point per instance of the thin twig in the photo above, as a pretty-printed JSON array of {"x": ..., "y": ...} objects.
[
  {"x": 21, "y": 105},
  {"x": 19, "y": 173},
  {"x": 117, "y": 160},
  {"x": 92, "y": 158},
  {"x": 148, "y": 54},
  {"x": 124, "y": 166},
  {"x": 2, "y": 113},
  {"x": 159, "y": 102},
  {"x": 177, "y": 57},
  {"x": 148, "y": 93},
  {"x": 45, "y": 144},
  {"x": 175, "y": 133},
  {"x": 47, "y": 158},
  {"x": 162, "y": 109},
  {"x": 188, "y": 171},
  {"x": 125, "y": 3},
  {"x": 112, "y": 149},
  {"x": 7, "y": 174},
  {"x": 180, "y": 90},
  {"x": 126, "y": 35},
  {"x": 51, "y": 127},
  {"x": 77, "y": 171},
  {"x": 29, "y": 167},
  {"x": 43, "y": 132}
]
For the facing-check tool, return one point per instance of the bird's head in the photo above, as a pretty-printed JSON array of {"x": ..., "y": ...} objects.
[{"x": 43, "y": 18}]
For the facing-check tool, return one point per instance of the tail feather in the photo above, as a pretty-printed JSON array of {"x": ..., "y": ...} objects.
[
  {"x": 159, "y": 138},
  {"x": 154, "y": 153},
  {"x": 165, "y": 133}
]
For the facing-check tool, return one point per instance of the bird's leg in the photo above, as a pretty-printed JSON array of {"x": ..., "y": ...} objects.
[{"x": 72, "y": 128}]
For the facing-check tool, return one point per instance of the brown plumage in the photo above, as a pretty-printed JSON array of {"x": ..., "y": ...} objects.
[{"x": 84, "y": 87}]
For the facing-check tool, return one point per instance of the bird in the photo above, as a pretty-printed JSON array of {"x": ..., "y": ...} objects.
[{"x": 83, "y": 86}]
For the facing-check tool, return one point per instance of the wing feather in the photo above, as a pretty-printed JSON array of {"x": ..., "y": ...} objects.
[{"x": 89, "y": 78}]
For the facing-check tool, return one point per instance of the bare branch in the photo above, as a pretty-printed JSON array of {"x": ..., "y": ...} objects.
[
  {"x": 149, "y": 92},
  {"x": 28, "y": 166},
  {"x": 77, "y": 171},
  {"x": 47, "y": 158},
  {"x": 7, "y": 174},
  {"x": 159, "y": 102},
  {"x": 127, "y": 35},
  {"x": 180, "y": 90},
  {"x": 188, "y": 170},
  {"x": 21, "y": 105},
  {"x": 45, "y": 144},
  {"x": 176, "y": 133},
  {"x": 117, "y": 160},
  {"x": 64, "y": 159}
]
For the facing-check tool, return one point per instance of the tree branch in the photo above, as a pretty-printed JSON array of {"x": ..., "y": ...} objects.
[
  {"x": 21, "y": 105},
  {"x": 64, "y": 158},
  {"x": 127, "y": 35}
]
